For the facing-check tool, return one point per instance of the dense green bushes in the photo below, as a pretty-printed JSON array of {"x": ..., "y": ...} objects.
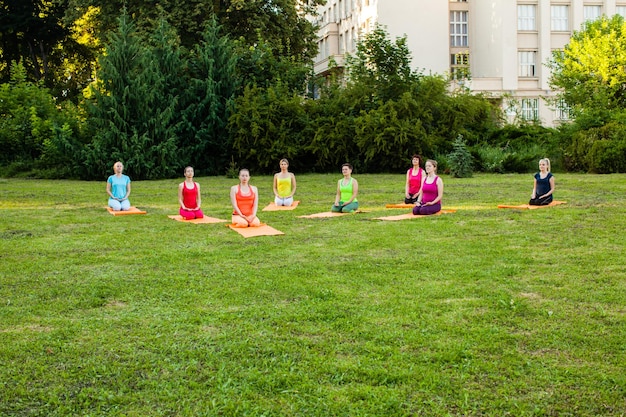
[{"x": 159, "y": 107}]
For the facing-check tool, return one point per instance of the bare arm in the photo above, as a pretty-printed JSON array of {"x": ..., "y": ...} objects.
[
  {"x": 338, "y": 195},
  {"x": 198, "y": 198},
  {"x": 439, "y": 193},
  {"x": 534, "y": 194},
  {"x": 275, "y": 185},
  {"x": 109, "y": 190},
  {"x": 127, "y": 191},
  {"x": 180, "y": 195},
  {"x": 406, "y": 187},
  {"x": 256, "y": 202},
  {"x": 293, "y": 185},
  {"x": 233, "y": 200}
]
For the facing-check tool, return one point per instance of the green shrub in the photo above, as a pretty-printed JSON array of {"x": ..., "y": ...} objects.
[
  {"x": 491, "y": 159},
  {"x": 460, "y": 159}
]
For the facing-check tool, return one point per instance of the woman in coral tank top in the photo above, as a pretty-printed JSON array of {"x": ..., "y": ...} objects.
[{"x": 245, "y": 200}]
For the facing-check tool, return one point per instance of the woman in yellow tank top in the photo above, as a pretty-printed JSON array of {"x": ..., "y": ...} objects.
[{"x": 284, "y": 185}]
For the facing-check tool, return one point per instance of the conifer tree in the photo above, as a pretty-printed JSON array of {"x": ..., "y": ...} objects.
[
  {"x": 206, "y": 104},
  {"x": 133, "y": 110}
]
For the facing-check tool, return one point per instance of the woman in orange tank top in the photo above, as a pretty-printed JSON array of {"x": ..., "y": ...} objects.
[{"x": 245, "y": 200}]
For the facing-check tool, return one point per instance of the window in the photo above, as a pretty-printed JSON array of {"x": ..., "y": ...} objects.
[
  {"x": 458, "y": 28},
  {"x": 527, "y": 63},
  {"x": 526, "y": 17},
  {"x": 560, "y": 18},
  {"x": 621, "y": 10},
  {"x": 592, "y": 12},
  {"x": 459, "y": 65},
  {"x": 530, "y": 109},
  {"x": 563, "y": 111}
]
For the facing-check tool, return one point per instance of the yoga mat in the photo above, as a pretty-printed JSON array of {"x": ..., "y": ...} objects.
[
  {"x": 408, "y": 216},
  {"x": 132, "y": 210},
  {"x": 204, "y": 220},
  {"x": 262, "y": 230},
  {"x": 403, "y": 205},
  {"x": 273, "y": 207},
  {"x": 327, "y": 214},
  {"x": 529, "y": 207}
]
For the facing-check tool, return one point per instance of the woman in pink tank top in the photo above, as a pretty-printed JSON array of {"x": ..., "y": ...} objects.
[
  {"x": 414, "y": 179},
  {"x": 429, "y": 198}
]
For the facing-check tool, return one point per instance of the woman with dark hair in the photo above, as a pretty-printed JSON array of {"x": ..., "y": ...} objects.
[
  {"x": 347, "y": 189},
  {"x": 414, "y": 179}
]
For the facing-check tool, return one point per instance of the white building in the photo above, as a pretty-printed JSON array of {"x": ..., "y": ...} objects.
[{"x": 502, "y": 44}]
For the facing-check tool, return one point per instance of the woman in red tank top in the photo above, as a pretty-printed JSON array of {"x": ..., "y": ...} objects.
[
  {"x": 245, "y": 200},
  {"x": 189, "y": 197}
]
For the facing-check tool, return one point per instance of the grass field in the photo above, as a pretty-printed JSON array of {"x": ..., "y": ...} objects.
[{"x": 484, "y": 312}]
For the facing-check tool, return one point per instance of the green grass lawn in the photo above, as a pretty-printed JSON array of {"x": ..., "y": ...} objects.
[{"x": 484, "y": 312}]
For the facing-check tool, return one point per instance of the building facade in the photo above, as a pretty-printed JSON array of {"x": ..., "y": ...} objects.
[{"x": 495, "y": 47}]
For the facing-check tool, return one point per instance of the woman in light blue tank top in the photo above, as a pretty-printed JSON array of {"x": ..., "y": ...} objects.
[{"x": 347, "y": 189}]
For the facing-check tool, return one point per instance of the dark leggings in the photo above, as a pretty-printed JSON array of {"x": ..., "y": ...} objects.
[
  {"x": 427, "y": 209},
  {"x": 540, "y": 201}
]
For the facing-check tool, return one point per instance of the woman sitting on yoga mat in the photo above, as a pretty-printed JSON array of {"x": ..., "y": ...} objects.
[
  {"x": 284, "y": 185},
  {"x": 414, "y": 180},
  {"x": 429, "y": 198},
  {"x": 118, "y": 188},
  {"x": 543, "y": 186},
  {"x": 245, "y": 200},
  {"x": 347, "y": 189},
  {"x": 189, "y": 197}
]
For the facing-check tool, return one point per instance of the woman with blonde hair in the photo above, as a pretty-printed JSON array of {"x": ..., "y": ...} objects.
[
  {"x": 543, "y": 185},
  {"x": 284, "y": 185}
]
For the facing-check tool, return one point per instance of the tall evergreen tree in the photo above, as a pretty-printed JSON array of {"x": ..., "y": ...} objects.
[
  {"x": 133, "y": 110},
  {"x": 206, "y": 103}
]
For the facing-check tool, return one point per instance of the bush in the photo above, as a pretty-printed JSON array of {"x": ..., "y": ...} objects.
[
  {"x": 490, "y": 159},
  {"x": 460, "y": 159}
]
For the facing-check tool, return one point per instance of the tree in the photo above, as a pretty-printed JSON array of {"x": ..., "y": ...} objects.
[
  {"x": 206, "y": 102},
  {"x": 34, "y": 32},
  {"x": 133, "y": 108},
  {"x": 35, "y": 132},
  {"x": 383, "y": 65},
  {"x": 590, "y": 73}
]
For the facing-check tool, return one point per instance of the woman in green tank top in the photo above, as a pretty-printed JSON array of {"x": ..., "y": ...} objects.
[{"x": 347, "y": 189}]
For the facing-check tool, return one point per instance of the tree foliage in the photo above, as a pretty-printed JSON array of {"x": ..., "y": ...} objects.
[
  {"x": 34, "y": 32},
  {"x": 591, "y": 75},
  {"x": 133, "y": 108},
  {"x": 34, "y": 131},
  {"x": 206, "y": 101},
  {"x": 590, "y": 72}
]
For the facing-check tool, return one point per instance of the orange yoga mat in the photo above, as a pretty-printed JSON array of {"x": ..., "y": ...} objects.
[
  {"x": 132, "y": 210},
  {"x": 403, "y": 205},
  {"x": 262, "y": 230},
  {"x": 529, "y": 207},
  {"x": 204, "y": 220},
  {"x": 327, "y": 214},
  {"x": 408, "y": 216},
  {"x": 273, "y": 207}
]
